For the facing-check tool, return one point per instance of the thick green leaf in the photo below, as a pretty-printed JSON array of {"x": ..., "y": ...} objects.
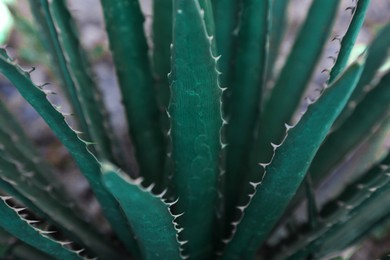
[
  {"x": 19, "y": 249},
  {"x": 377, "y": 54},
  {"x": 124, "y": 24},
  {"x": 43, "y": 17},
  {"x": 87, "y": 163},
  {"x": 148, "y": 215},
  {"x": 367, "y": 115},
  {"x": 244, "y": 104},
  {"x": 349, "y": 38},
  {"x": 88, "y": 94},
  {"x": 21, "y": 228},
  {"x": 293, "y": 79},
  {"x": 226, "y": 14},
  {"x": 8, "y": 188},
  {"x": 20, "y": 147},
  {"x": 162, "y": 39},
  {"x": 15, "y": 150},
  {"x": 54, "y": 212},
  {"x": 373, "y": 149},
  {"x": 289, "y": 165},
  {"x": 208, "y": 16},
  {"x": 357, "y": 188},
  {"x": 279, "y": 17},
  {"x": 358, "y": 161},
  {"x": 195, "y": 127},
  {"x": 361, "y": 220},
  {"x": 348, "y": 217}
]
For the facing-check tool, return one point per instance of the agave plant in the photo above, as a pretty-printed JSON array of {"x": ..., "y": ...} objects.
[{"x": 223, "y": 165}]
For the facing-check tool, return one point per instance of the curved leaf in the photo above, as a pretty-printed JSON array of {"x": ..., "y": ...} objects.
[
  {"x": 293, "y": 79},
  {"x": 148, "y": 215},
  {"x": 87, "y": 163},
  {"x": 284, "y": 173},
  {"x": 349, "y": 38},
  {"x": 42, "y": 15},
  {"x": 357, "y": 209},
  {"x": 20, "y": 147},
  {"x": 369, "y": 113},
  {"x": 124, "y": 24},
  {"x": 20, "y": 228},
  {"x": 88, "y": 93},
  {"x": 19, "y": 249},
  {"x": 226, "y": 14},
  {"x": 55, "y": 212},
  {"x": 278, "y": 18},
  {"x": 244, "y": 104},
  {"x": 377, "y": 53},
  {"x": 195, "y": 127},
  {"x": 162, "y": 40}
]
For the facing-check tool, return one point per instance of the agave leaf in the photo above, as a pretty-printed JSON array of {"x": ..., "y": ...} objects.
[
  {"x": 130, "y": 54},
  {"x": 162, "y": 39},
  {"x": 10, "y": 190},
  {"x": 207, "y": 12},
  {"x": 278, "y": 26},
  {"x": 87, "y": 163},
  {"x": 42, "y": 15},
  {"x": 208, "y": 16},
  {"x": 353, "y": 130},
  {"x": 244, "y": 104},
  {"x": 377, "y": 53},
  {"x": 363, "y": 218},
  {"x": 372, "y": 150},
  {"x": 55, "y": 212},
  {"x": 284, "y": 174},
  {"x": 7, "y": 140},
  {"x": 18, "y": 145},
  {"x": 19, "y": 149},
  {"x": 195, "y": 112},
  {"x": 348, "y": 217},
  {"x": 149, "y": 215},
  {"x": 357, "y": 188},
  {"x": 11, "y": 221},
  {"x": 19, "y": 249},
  {"x": 349, "y": 38},
  {"x": 226, "y": 14},
  {"x": 293, "y": 79},
  {"x": 88, "y": 94},
  {"x": 335, "y": 209}
]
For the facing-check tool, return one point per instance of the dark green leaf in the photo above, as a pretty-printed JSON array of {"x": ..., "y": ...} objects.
[
  {"x": 349, "y": 38},
  {"x": 289, "y": 165},
  {"x": 293, "y": 79},
  {"x": 21, "y": 228},
  {"x": 87, "y": 163},
  {"x": 244, "y": 104},
  {"x": 148, "y": 215},
  {"x": 124, "y": 24},
  {"x": 195, "y": 128}
]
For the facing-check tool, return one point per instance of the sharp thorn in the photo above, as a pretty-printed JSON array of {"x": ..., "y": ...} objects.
[
  {"x": 31, "y": 70},
  {"x": 352, "y": 8}
]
